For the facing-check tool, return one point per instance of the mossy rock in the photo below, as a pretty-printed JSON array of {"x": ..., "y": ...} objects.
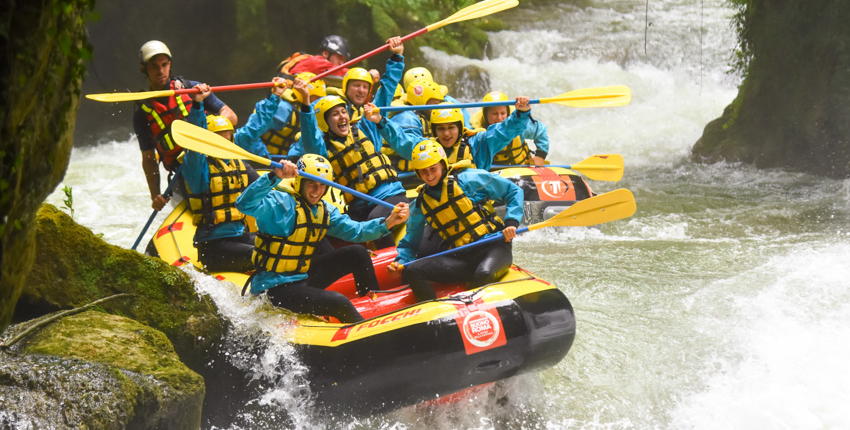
[
  {"x": 95, "y": 370},
  {"x": 74, "y": 267}
]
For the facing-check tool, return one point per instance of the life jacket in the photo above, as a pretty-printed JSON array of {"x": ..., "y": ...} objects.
[
  {"x": 455, "y": 217},
  {"x": 279, "y": 141},
  {"x": 356, "y": 164},
  {"x": 293, "y": 253},
  {"x": 160, "y": 116},
  {"x": 398, "y": 162},
  {"x": 286, "y": 65},
  {"x": 462, "y": 150},
  {"x": 515, "y": 153},
  {"x": 228, "y": 178}
]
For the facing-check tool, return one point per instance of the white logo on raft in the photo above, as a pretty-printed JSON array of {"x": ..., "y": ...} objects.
[
  {"x": 553, "y": 189},
  {"x": 481, "y": 328}
]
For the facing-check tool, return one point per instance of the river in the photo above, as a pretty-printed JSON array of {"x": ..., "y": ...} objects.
[{"x": 724, "y": 302}]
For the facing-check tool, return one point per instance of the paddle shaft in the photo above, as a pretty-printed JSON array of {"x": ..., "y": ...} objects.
[
  {"x": 369, "y": 54},
  {"x": 493, "y": 238},
  {"x": 167, "y": 193},
  {"x": 322, "y": 180},
  {"x": 219, "y": 88},
  {"x": 455, "y": 105}
]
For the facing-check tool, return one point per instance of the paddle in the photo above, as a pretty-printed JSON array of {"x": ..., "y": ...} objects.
[
  {"x": 613, "y": 96},
  {"x": 606, "y": 167},
  {"x": 166, "y": 194},
  {"x": 477, "y": 10},
  {"x": 201, "y": 140},
  {"x": 611, "y": 206}
]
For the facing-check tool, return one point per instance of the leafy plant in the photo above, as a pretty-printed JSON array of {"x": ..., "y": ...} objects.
[{"x": 69, "y": 199}]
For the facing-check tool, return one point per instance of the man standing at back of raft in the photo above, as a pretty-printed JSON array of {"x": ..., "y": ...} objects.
[
  {"x": 152, "y": 118},
  {"x": 290, "y": 226}
]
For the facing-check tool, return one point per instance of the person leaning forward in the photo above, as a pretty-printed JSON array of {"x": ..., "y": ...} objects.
[
  {"x": 458, "y": 206},
  {"x": 152, "y": 118},
  {"x": 291, "y": 224}
]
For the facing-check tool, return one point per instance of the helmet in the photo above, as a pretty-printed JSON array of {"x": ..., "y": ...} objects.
[
  {"x": 324, "y": 105},
  {"x": 447, "y": 115},
  {"x": 336, "y": 45},
  {"x": 356, "y": 74},
  {"x": 315, "y": 165},
  {"x": 315, "y": 88},
  {"x": 151, "y": 49},
  {"x": 216, "y": 123},
  {"x": 416, "y": 73},
  {"x": 422, "y": 90},
  {"x": 398, "y": 92},
  {"x": 428, "y": 153},
  {"x": 495, "y": 96}
]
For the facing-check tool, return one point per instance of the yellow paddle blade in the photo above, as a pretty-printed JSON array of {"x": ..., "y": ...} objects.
[
  {"x": 611, "y": 206},
  {"x": 201, "y": 140},
  {"x": 128, "y": 97},
  {"x": 613, "y": 96},
  {"x": 606, "y": 167},
  {"x": 483, "y": 8}
]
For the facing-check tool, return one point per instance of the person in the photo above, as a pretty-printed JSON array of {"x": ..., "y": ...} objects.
[
  {"x": 518, "y": 151},
  {"x": 478, "y": 146},
  {"x": 458, "y": 206},
  {"x": 416, "y": 73},
  {"x": 222, "y": 237},
  {"x": 152, "y": 118},
  {"x": 290, "y": 225},
  {"x": 285, "y": 129},
  {"x": 415, "y": 124},
  {"x": 356, "y": 159},
  {"x": 334, "y": 51}
]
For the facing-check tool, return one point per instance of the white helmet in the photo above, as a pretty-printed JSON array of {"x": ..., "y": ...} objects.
[{"x": 151, "y": 49}]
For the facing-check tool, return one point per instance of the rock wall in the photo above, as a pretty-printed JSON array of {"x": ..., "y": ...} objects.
[
  {"x": 793, "y": 107},
  {"x": 39, "y": 90}
]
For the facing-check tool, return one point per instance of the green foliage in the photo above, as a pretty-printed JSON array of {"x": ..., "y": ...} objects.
[
  {"x": 740, "y": 21},
  {"x": 69, "y": 199}
]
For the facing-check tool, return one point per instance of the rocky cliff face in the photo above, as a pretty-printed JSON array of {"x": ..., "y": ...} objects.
[
  {"x": 793, "y": 107},
  {"x": 43, "y": 45}
]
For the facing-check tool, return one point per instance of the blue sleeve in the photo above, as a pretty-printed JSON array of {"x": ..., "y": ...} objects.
[
  {"x": 274, "y": 210},
  {"x": 370, "y": 129},
  {"x": 487, "y": 143},
  {"x": 312, "y": 139},
  {"x": 196, "y": 173},
  {"x": 389, "y": 81},
  {"x": 481, "y": 185},
  {"x": 248, "y": 136},
  {"x": 212, "y": 103},
  {"x": 408, "y": 247},
  {"x": 411, "y": 126},
  {"x": 536, "y": 131},
  {"x": 343, "y": 227},
  {"x": 400, "y": 142}
]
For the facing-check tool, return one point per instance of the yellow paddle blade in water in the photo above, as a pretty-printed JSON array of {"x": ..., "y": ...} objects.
[{"x": 611, "y": 206}]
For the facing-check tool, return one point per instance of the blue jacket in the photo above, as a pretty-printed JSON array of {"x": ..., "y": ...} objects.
[
  {"x": 275, "y": 214},
  {"x": 479, "y": 186},
  {"x": 197, "y": 171}
]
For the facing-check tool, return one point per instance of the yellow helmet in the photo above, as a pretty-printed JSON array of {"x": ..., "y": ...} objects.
[
  {"x": 151, "y": 49},
  {"x": 415, "y": 74},
  {"x": 315, "y": 88},
  {"x": 422, "y": 90},
  {"x": 216, "y": 123},
  {"x": 398, "y": 92},
  {"x": 447, "y": 115},
  {"x": 426, "y": 154},
  {"x": 315, "y": 165},
  {"x": 356, "y": 74},
  {"x": 324, "y": 105},
  {"x": 495, "y": 96}
]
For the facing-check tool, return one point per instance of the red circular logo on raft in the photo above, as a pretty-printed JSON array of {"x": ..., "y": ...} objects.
[{"x": 481, "y": 328}]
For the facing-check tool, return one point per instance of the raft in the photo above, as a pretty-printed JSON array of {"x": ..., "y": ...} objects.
[{"x": 404, "y": 352}]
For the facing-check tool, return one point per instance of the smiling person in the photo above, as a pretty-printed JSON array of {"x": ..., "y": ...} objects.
[
  {"x": 290, "y": 226},
  {"x": 459, "y": 207},
  {"x": 356, "y": 159},
  {"x": 152, "y": 118},
  {"x": 478, "y": 146},
  {"x": 517, "y": 151}
]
